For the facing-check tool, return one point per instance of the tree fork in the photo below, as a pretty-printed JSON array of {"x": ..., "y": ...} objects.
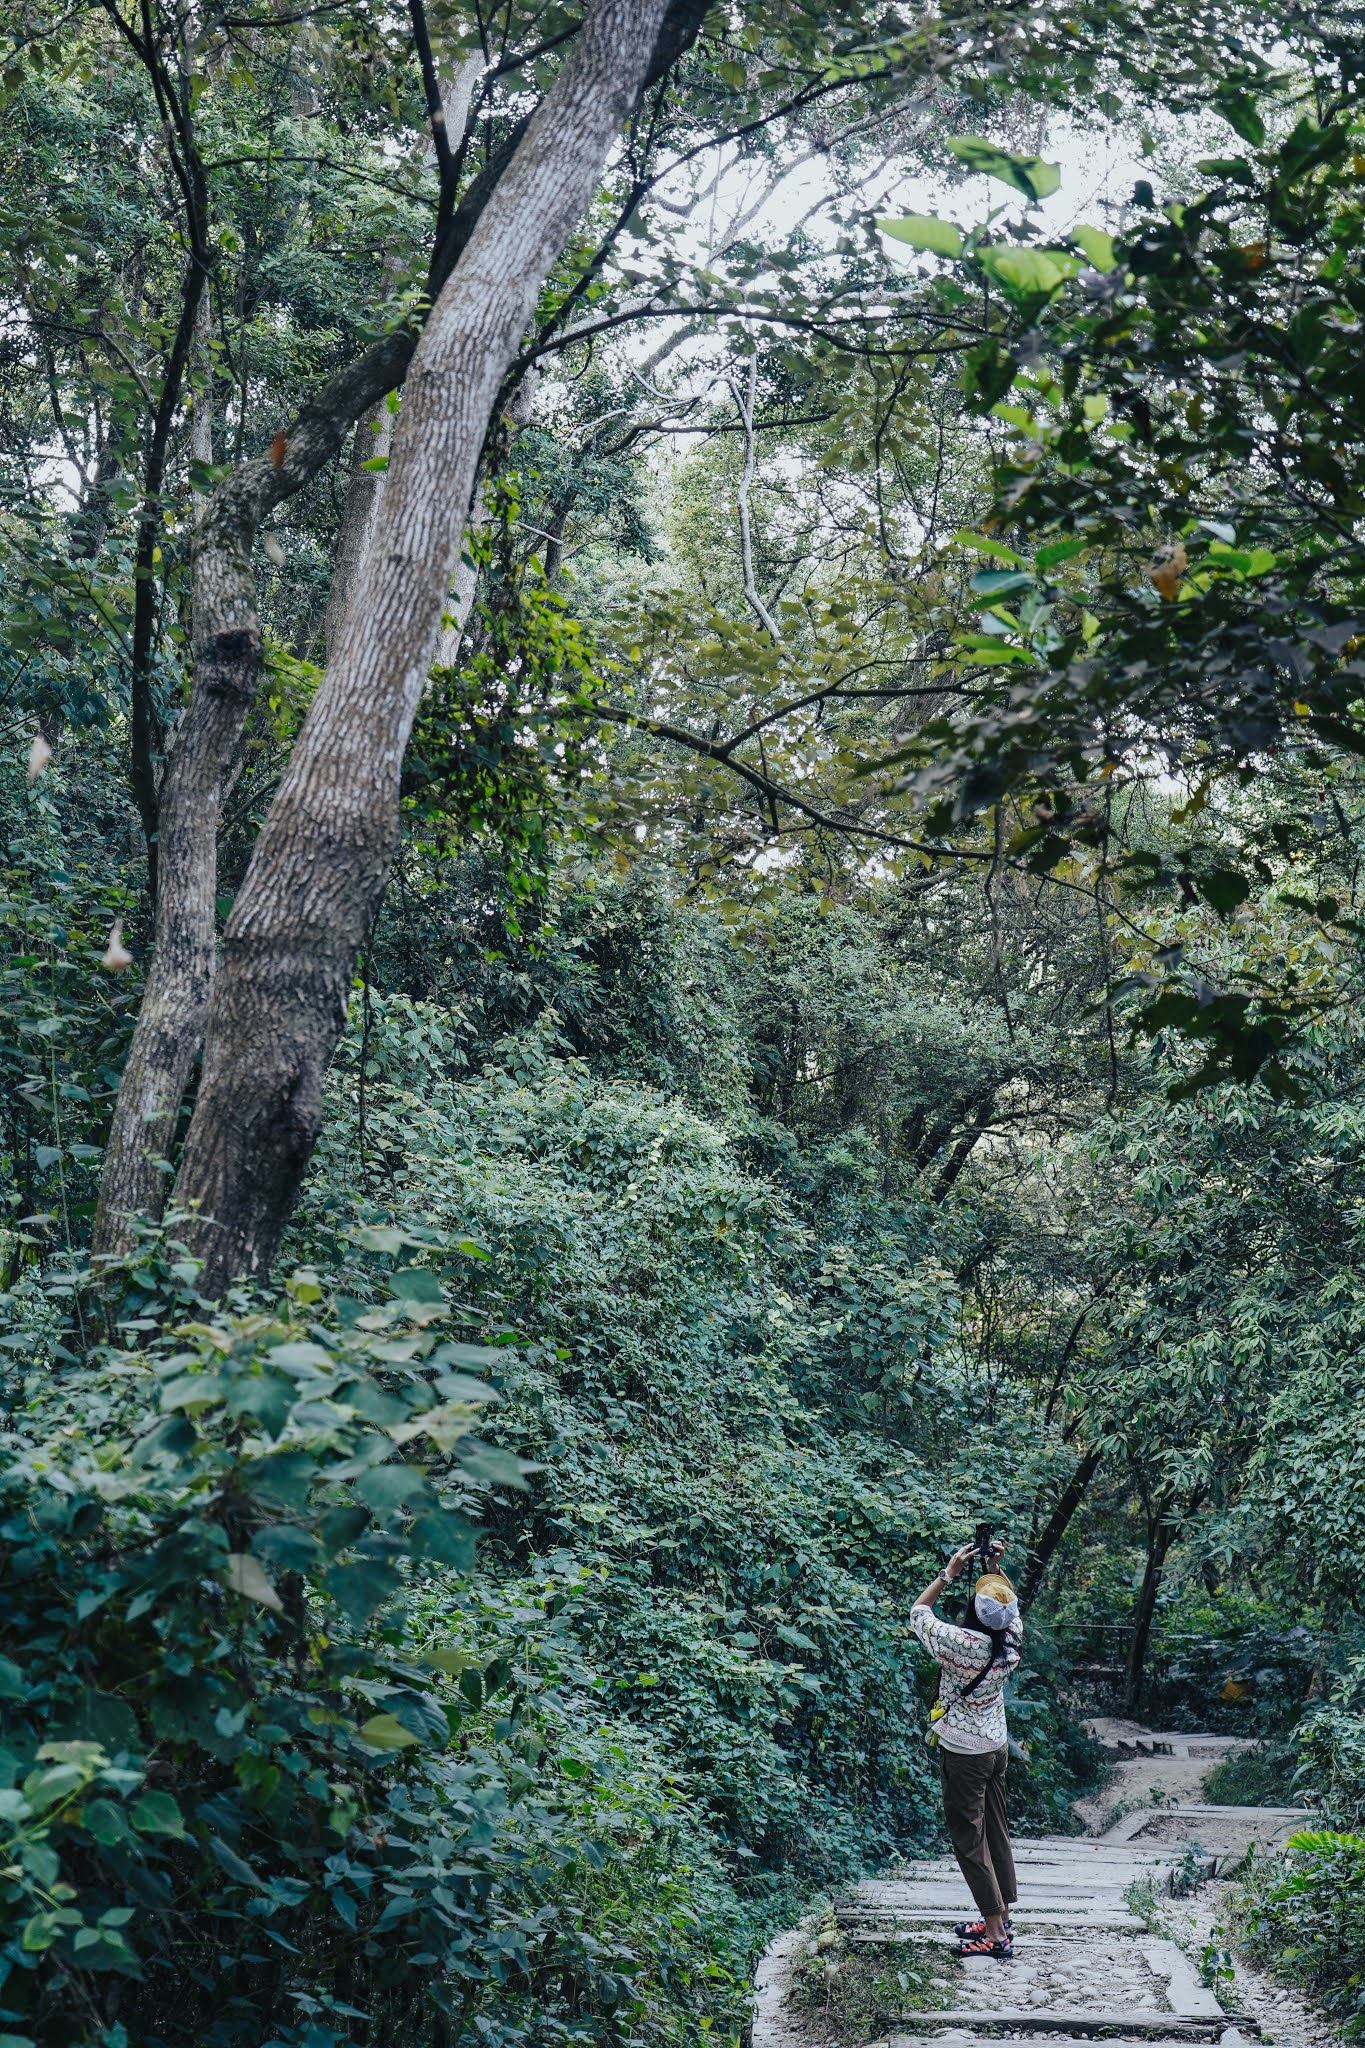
[
  {"x": 227, "y": 660},
  {"x": 323, "y": 856}
]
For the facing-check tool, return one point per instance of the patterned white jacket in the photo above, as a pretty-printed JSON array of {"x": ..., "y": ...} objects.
[{"x": 978, "y": 1721}]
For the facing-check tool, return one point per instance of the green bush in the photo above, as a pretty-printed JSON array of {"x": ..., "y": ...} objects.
[
  {"x": 1303, "y": 1914},
  {"x": 272, "y": 1771},
  {"x": 1264, "y": 1776}
]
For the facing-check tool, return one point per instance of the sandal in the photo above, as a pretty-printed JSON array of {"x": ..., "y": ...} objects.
[
  {"x": 978, "y": 1945},
  {"x": 966, "y": 1929}
]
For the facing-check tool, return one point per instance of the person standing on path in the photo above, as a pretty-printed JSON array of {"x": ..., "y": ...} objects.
[{"x": 974, "y": 1662}]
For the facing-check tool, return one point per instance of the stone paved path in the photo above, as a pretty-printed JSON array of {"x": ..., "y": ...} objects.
[
  {"x": 1085, "y": 1965},
  {"x": 1083, "y": 1961}
]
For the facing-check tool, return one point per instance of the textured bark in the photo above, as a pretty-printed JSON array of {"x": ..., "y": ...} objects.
[
  {"x": 145, "y": 732},
  {"x": 324, "y": 853},
  {"x": 226, "y": 669},
  {"x": 171, "y": 1020},
  {"x": 374, "y": 432},
  {"x": 201, "y": 404}
]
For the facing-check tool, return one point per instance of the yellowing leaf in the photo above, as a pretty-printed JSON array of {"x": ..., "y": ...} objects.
[
  {"x": 1167, "y": 567},
  {"x": 247, "y": 1576},
  {"x": 386, "y": 1731}
]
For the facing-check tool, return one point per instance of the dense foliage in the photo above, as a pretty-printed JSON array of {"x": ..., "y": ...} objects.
[{"x": 862, "y": 1034}]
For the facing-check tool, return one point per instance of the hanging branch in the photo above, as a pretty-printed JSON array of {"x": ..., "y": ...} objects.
[{"x": 745, "y": 401}]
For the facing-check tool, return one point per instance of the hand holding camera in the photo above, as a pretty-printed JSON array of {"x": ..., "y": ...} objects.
[{"x": 984, "y": 1551}]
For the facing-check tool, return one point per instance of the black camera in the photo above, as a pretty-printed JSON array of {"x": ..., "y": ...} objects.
[{"x": 983, "y": 1543}]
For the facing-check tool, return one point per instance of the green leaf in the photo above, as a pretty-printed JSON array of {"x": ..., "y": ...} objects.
[
  {"x": 1097, "y": 246},
  {"x": 1027, "y": 174},
  {"x": 386, "y": 1731},
  {"x": 1224, "y": 889},
  {"x": 493, "y": 1466},
  {"x": 984, "y": 545},
  {"x": 194, "y": 1390},
  {"x": 925, "y": 231},
  {"x": 11, "y": 1680},
  {"x": 286, "y": 1548},
  {"x": 235, "y": 1866},
  {"x": 423, "y": 1716},
  {"x": 1060, "y": 551},
  {"x": 1027, "y": 273},
  {"x": 1002, "y": 582},
  {"x": 387, "y": 1487},
  {"x": 360, "y": 1588},
  {"x": 417, "y": 1283},
  {"x": 156, "y": 1813},
  {"x": 105, "y": 1821},
  {"x": 445, "y": 1538},
  {"x": 1241, "y": 113}
]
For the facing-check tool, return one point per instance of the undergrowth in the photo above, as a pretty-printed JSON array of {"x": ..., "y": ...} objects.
[{"x": 855, "y": 1988}]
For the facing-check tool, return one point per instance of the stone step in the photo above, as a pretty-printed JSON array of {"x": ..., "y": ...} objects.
[
  {"x": 1061, "y": 2020},
  {"x": 1025, "y": 1918},
  {"x": 1240, "y": 2035},
  {"x": 935, "y": 1924},
  {"x": 1039, "y": 1897}
]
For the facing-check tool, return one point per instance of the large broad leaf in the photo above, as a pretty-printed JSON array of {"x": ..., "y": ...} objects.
[
  {"x": 1028, "y": 273},
  {"x": 1096, "y": 245},
  {"x": 157, "y": 1813},
  {"x": 925, "y": 231},
  {"x": 1027, "y": 174},
  {"x": 1240, "y": 111},
  {"x": 1225, "y": 888},
  {"x": 416, "y": 1283},
  {"x": 386, "y": 1731},
  {"x": 1002, "y": 582}
]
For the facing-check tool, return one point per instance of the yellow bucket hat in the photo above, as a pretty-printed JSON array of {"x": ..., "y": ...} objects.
[{"x": 996, "y": 1603}]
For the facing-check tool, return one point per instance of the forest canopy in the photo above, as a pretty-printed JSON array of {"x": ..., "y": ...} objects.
[{"x": 682, "y": 691}]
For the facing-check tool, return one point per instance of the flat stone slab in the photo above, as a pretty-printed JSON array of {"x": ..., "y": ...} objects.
[{"x": 1060, "y": 2020}]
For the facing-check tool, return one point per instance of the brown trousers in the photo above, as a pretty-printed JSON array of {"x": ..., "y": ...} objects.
[{"x": 974, "y": 1808}]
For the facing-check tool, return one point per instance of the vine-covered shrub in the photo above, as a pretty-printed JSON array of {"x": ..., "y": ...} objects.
[
  {"x": 1304, "y": 1915},
  {"x": 754, "y": 1415},
  {"x": 558, "y": 1791},
  {"x": 272, "y": 1769}
]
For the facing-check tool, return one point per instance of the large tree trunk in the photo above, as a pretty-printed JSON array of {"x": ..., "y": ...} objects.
[
  {"x": 324, "y": 853},
  {"x": 226, "y": 669},
  {"x": 171, "y": 1020}
]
